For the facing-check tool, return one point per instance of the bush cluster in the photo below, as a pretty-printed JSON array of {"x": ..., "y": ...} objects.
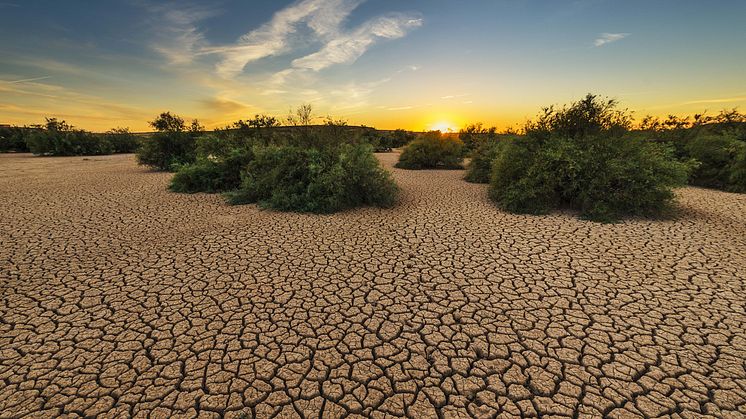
[
  {"x": 432, "y": 150},
  {"x": 713, "y": 144},
  {"x": 581, "y": 157},
  {"x": 317, "y": 180},
  {"x": 319, "y": 169},
  {"x": 173, "y": 145},
  {"x": 212, "y": 174},
  {"x": 603, "y": 177},
  {"x": 386, "y": 141},
  {"x": 57, "y": 138},
  {"x": 13, "y": 139},
  {"x": 479, "y": 169}
]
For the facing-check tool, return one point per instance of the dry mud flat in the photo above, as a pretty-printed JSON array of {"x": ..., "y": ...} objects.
[{"x": 122, "y": 299}]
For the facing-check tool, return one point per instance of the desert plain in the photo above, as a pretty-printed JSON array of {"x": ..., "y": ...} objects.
[{"x": 119, "y": 299}]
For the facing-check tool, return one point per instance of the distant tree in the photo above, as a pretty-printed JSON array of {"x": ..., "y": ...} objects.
[
  {"x": 53, "y": 124},
  {"x": 303, "y": 115},
  {"x": 259, "y": 121},
  {"x": 167, "y": 122},
  {"x": 196, "y": 126}
]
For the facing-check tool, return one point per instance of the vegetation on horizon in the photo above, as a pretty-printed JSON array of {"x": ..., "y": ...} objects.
[
  {"x": 58, "y": 138},
  {"x": 432, "y": 150}
]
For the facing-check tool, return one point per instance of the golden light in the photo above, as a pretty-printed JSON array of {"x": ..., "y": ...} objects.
[{"x": 442, "y": 126}]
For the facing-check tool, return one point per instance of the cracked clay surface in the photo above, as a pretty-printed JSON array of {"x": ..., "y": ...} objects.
[{"x": 122, "y": 299}]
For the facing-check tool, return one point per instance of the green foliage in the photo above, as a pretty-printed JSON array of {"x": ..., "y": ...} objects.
[
  {"x": 14, "y": 139},
  {"x": 315, "y": 179},
  {"x": 122, "y": 140},
  {"x": 212, "y": 175},
  {"x": 173, "y": 145},
  {"x": 588, "y": 116},
  {"x": 737, "y": 179},
  {"x": 605, "y": 178},
  {"x": 480, "y": 167},
  {"x": 168, "y": 150},
  {"x": 58, "y": 138},
  {"x": 715, "y": 156},
  {"x": 581, "y": 157},
  {"x": 386, "y": 141},
  {"x": 711, "y": 144},
  {"x": 473, "y": 135},
  {"x": 432, "y": 150}
]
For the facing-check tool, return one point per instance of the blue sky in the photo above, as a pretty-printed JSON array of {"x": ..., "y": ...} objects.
[{"x": 412, "y": 64}]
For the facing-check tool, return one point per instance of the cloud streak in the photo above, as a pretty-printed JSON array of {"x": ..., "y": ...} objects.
[
  {"x": 324, "y": 18},
  {"x": 26, "y": 80},
  {"x": 607, "y": 38},
  {"x": 347, "y": 48},
  {"x": 179, "y": 39}
]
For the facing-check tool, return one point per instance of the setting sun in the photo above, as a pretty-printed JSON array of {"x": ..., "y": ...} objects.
[{"x": 443, "y": 126}]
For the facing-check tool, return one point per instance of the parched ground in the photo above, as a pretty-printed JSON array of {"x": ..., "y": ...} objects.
[{"x": 119, "y": 298}]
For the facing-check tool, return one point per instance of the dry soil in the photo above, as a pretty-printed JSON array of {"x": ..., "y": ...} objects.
[{"x": 120, "y": 298}]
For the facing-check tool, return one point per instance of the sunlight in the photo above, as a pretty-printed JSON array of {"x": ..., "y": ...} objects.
[{"x": 443, "y": 126}]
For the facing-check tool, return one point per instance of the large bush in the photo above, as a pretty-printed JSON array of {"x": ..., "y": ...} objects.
[
  {"x": 432, "y": 150},
  {"x": 121, "y": 140},
  {"x": 479, "y": 169},
  {"x": 213, "y": 174},
  {"x": 315, "y": 179},
  {"x": 713, "y": 143},
  {"x": 173, "y": 145},
  {"x": 580, "y": 157},
  {"x": 14, "y": 139},
  {"x": 716, "y": 158}
]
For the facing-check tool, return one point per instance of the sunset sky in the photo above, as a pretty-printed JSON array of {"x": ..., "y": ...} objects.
[{"x": 414, "y": 64}]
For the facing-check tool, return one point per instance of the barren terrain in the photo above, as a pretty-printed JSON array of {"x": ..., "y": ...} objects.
[{"x": 120, "y": 298}]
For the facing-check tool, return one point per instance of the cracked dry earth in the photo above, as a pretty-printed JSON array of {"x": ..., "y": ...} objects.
[{"x": 121, "y": 299}]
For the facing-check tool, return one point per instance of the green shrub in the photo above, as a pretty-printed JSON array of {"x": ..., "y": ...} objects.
[
  {"x": 68, "y": 143},
  {"x": 168, "y": 150},
  {"x": 432, "y": 150},
  {"x": 212, "y": 175},
  {"x": 173, "y": 145},
  {"x": 315, "y": 179},
  {"x": 479, "y": 168},
  {"x": 737, "y": 180},
  {"x": 474, "y": 135},
  {"x": 14, "y": 139},
  {"x": 605, "y": 178},
  {"x": 716, "y": 155},
  {"x": 599, "y": 170},
  {"x": 121, "y": 140}
]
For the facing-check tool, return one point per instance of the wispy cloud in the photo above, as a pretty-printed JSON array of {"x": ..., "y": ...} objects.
[
  {"x": 178, "y": 37},
  {"x": 607, "y": 38},
  {"x": 722, "y": 100},
  {"x": 399, "y": 108},
  {"x": 448, "y": 97},
  {"x": 324, "y": 18},
  {"x": 26, "y": 80},
  {"x": 346, "y": 48}
]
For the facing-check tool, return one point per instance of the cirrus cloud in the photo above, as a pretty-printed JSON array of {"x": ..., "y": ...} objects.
[{"x": 607, "y": 38}]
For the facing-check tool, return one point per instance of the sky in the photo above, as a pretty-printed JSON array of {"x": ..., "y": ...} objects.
[{"x": 412, "y": 64}]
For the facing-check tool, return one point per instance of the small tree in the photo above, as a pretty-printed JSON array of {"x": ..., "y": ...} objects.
[
  {"x": 166, "y": 122},
  {"x": 303, "y": 115}
]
